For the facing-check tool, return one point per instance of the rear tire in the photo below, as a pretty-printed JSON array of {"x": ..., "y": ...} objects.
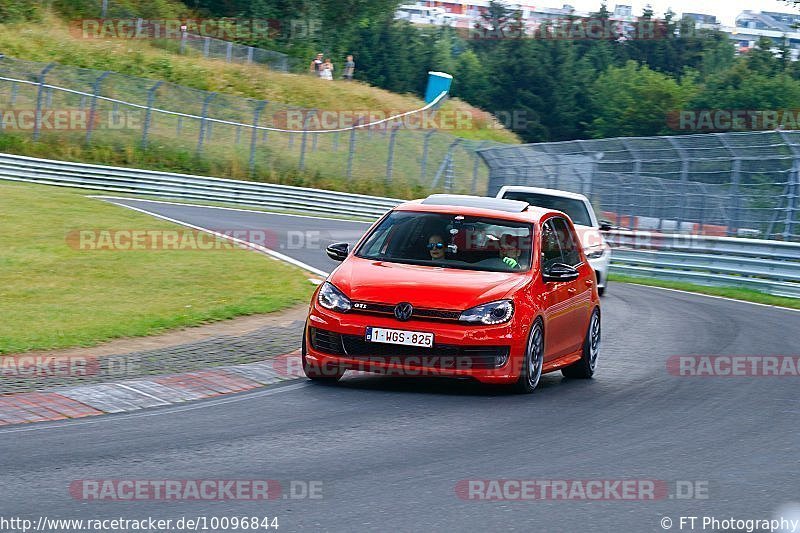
[
  {"x": 326, "y": 374},
  {"x": 601, "y": 291},
  {"x": 531, "y": 370},
  {"x": 584, "y": 367}
]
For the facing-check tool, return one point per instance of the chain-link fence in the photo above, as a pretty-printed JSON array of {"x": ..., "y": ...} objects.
[
  {"x": 725, "y": 184},
  {"x": 246, "y": 138},
  {"x": 231, "y": 52}
]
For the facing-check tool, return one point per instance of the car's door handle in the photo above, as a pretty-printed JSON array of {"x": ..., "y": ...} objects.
[
  {"x": 589, "y": 282},
  {"x": 572, "y": 290}
]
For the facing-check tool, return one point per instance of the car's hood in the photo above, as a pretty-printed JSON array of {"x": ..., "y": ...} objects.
[{"x": 422, "y": 286}]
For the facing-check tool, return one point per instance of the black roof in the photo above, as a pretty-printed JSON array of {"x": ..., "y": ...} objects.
[{"x": 482, "y": 202}]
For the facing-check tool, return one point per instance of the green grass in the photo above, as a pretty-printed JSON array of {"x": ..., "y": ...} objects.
[
  {"x": 735, "y": 293},
  {"x": 54, "y": 296}
]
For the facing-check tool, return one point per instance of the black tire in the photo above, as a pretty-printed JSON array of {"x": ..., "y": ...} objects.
[
  {"x": 327, "y": 374},
  {"x": 584, "y": 367},
  {"x": 601, "y": 291},
  {"x": 531, "y": 371}
]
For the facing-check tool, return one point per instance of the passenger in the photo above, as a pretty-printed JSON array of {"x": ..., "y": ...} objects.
[{"x": 436, "y": 247}]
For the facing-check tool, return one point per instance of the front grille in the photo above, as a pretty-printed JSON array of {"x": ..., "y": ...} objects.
[
  {"x": 438, "y": 356},
  {"x": 373, "y": 308},
  {"x": 443, "y": 356}
]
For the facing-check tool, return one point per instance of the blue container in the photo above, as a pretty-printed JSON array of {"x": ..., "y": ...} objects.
[{"x": 437, "y": 82}]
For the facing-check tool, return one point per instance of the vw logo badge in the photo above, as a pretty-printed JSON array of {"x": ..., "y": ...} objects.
[{"x": 403, "y": 311}]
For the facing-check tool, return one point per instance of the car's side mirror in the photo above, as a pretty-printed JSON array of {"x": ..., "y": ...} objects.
[
  {"x": 338, "y": 251},
  {"x": 605, "y": 225},
  {"x": 560, "y": 272}
]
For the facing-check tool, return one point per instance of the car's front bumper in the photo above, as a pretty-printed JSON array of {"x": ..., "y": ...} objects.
[{"x": 490, "y": 354}]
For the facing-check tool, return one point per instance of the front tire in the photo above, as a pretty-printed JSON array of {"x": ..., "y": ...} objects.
[
  {"x": 585, "y": 366},
  {"x": 531, "y": 371},
  {"x": 326, "y": 374}
]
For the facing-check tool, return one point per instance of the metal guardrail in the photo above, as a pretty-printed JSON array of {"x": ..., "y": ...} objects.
[
  {"x": 768, "y": 266},
  {"x": 189, "y": 187}
]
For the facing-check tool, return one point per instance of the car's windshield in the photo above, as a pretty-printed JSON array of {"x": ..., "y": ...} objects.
[
  {"x": 575, "y": 209},
  {"x": 451, "y": 241}
]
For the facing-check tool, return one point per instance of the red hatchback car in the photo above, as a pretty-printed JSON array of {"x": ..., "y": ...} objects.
[{"x": 458, "y": 286}]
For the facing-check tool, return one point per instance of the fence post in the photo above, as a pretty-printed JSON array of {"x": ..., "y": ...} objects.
[
  {"x": 390, "y": 157},
  {"x": 184, "y": 36},
  {"x": 202, "y": 133},
  {"x": 254, "y": 135},
  {"x": 228, "y": 52},
  {"x": 37, "y": 125},
  {"x": 206, "y": 45},
  {"x": 446, "y": 167},
  {"x": 249, "y": 54},
  {"x": 475, "y": 163},
  {"x": 425, "y": 145},
  {"x": 336, "y": 142},
  {"x": 352, "y": 153},
  {"x": 151, "y": 96},
  {"x": 304, "y": 139},
  {"x": 179, "y": 126},
  {"x": 104, "y": 9},
  {"x": 733, "y": 220},
  {"x": 684, "y": 181},
  {"x": 791, "y": 202},
  {"x": 13, "y": 93}
]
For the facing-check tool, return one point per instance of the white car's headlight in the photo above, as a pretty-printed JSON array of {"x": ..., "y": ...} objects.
[
  {"x": 332, "y": 298},
  {"x": 491, "y": 313}
]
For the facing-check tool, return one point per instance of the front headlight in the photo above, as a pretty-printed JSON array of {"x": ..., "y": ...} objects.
[
  {"x": 491, "y": 313},
  {"x": 332, "y": 298}
]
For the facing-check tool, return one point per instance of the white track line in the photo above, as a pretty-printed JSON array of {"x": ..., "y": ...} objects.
[
  {"x": 157, "y": 411},
  {"x": 709, "y": 296},
  {"x": 246, "y": 244},
  {"x": 102, "y": 197}
]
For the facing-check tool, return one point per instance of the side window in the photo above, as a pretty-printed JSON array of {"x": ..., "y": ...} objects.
[
  {"x": 569, "y": 250},
  {"x": 551, "y": 252}
]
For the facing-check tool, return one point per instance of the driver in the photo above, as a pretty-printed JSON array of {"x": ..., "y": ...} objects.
[{"x": 510, "y": 251}]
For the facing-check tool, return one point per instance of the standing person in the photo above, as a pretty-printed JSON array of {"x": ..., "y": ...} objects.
[
  {"x": 349, "y": 68},
  {"x": 316, "y": 65},
  {"x": 326, "y": 70}
]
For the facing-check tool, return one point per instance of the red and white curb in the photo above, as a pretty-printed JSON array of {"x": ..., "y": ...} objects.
[{"x": 134, "y": 394}]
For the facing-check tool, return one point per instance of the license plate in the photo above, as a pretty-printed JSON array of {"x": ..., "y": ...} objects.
[{"x": 400, "y": 336}]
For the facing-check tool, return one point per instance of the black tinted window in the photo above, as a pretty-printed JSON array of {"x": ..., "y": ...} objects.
[
  {"x": 569, "y": 250},
  {"x": 551, "y": 252}
]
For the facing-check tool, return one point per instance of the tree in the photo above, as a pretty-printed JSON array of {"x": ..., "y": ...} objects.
[{"x": 635, "y": 101}]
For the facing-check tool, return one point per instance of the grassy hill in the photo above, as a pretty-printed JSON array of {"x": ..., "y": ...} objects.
[{"x": 49, "y": 39}]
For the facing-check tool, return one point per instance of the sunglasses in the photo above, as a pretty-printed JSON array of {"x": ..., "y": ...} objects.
[{"x": 436, "y": 245}]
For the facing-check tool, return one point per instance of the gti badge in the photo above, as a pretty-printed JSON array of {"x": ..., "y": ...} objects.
[{"x": 403, "y": 311}]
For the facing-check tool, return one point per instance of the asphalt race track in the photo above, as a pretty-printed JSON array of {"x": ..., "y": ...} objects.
[{"x": 390, "y": 452}]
